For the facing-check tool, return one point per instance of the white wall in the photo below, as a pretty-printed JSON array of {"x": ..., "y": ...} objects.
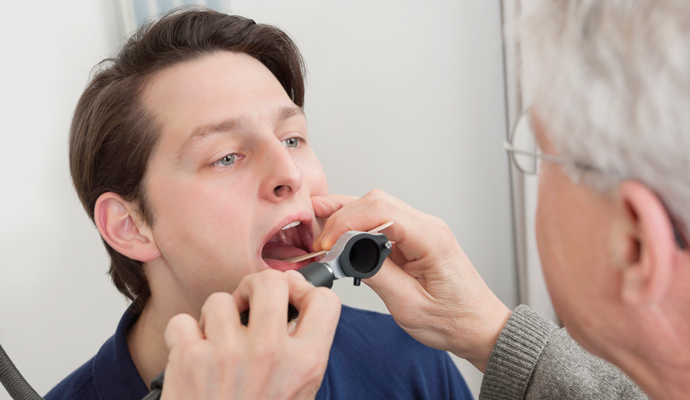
[
  {"x": 405, "y": 96},
  {"x": 57, "y": 305},
  {"x": 531, "y": 284}
]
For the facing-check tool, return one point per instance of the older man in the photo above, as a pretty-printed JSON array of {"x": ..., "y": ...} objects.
[{"x": 611, "y": 119}]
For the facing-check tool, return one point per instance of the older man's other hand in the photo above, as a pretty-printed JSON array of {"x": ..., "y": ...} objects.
[{"x": 219, "y": 358}]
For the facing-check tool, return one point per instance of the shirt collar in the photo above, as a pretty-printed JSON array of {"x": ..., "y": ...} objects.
[{"x": 114, "y": 373}]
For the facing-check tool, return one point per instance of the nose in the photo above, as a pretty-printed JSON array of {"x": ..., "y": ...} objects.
[{"x": 283, "y": 177}]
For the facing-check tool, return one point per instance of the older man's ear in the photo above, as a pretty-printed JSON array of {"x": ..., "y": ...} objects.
[
  {"x": 649, "y": 250},
  {"x": 120, "y": 226}
]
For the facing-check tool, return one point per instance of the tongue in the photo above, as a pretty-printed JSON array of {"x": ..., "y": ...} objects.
[{"x": 280, "y": 251}]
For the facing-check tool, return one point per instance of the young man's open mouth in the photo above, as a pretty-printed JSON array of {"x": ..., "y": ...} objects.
[{"x": 292, "y": 237}]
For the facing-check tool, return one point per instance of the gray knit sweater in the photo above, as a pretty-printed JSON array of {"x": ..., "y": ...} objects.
[{"x": 534, "y": 359}]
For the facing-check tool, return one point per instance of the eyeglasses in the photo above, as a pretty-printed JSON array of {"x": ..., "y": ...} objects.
[
  {"x": 525, "y": 154},
  {"x": 524, "y": 150}
]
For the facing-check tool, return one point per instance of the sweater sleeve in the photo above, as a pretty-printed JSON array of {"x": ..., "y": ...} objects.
[{"x": 534, "y": 359}]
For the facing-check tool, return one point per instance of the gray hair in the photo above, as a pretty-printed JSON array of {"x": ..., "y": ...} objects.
[{"x": 611, "y": 82}]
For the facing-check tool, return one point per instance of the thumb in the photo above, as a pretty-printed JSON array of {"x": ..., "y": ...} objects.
[{"x": 325, "y": 206}]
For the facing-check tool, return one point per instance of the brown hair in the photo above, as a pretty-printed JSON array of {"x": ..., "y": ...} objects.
[{"x": 112, "y": 134}]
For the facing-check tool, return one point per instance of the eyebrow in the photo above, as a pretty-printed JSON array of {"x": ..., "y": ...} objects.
[{"x": 229, "y": 125}]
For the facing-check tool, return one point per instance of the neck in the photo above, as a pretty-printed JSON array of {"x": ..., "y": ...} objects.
[
  {"x": 146, "y": 337},
  {"x": 661, "y": 380},
  {"x": 146, "y": 342},
  {"x": 660, "y": 363}
]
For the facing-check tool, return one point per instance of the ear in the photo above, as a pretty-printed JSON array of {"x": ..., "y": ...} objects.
[
  {"x": 119, "y": 225},
  {"x": 649, "y": 245}
]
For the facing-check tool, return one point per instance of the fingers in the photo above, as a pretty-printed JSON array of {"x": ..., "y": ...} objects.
[
  {"x": 407, "y": 231},
  {"x": 426, "y": 281},
  {"x": 298, "y": 288},
  {"x": 368, "y": 212},
  {"x": 397, "y": 256},
  {"x": 181, "y": 330},
  {"x": 219, "y": 317},
  {"x": 335, "y": 202},
  {"x": 358, "y": 215},
  {"x": 269, "y": 292},
  {"x": 319, "y": 309},
  {"x": 266, "y": 294},
  {"x": 394, "y": 285},
  {"x": 324, "y": 206},
  {"x": 219, "y": 358}
]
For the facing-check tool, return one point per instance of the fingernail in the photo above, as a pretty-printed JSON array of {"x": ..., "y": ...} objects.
[
  {"x": 295, "y": 274},
  {"x": 292, "y": 325},
  {"x": 319, "y": 241},
  {"x": 323, "y": 238}
]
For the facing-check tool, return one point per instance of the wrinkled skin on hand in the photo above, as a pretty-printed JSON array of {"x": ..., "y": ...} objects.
[{"x": 428, "y": 284}]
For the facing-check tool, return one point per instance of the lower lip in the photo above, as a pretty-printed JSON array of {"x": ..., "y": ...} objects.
[{"x": 287, "y": 266}]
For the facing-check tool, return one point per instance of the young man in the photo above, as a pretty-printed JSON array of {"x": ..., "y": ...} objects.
[{"x": 190, "y": 152}]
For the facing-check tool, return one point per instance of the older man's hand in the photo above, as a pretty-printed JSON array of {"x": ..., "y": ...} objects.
[
  {"x": 428, "y": 284},
  {"x": 219, "y": 358}
]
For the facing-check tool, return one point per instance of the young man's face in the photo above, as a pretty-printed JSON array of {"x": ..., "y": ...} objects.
[{"x": 233, "y": 166}]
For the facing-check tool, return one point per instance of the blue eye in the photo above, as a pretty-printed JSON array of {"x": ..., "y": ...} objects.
[
  {"x": 292, "y": 142},
  {"x": 226, "y": 161}
]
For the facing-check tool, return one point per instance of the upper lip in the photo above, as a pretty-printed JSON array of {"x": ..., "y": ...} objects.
[{"x": 304, "y": 217}]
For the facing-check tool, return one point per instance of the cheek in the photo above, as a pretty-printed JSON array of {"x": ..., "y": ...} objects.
[
  {"x": 572, "y": 228},
  {"x": 551, "y": 227},
  {"x": 201, "y": 230},
  {"x": 546, "y": 226},
  {"x": 188, "y": 205},
  {"x": 314, "y": 176}
]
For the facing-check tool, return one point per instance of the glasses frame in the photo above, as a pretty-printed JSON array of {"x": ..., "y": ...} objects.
[
  {"x": 512, "y": 150},
  {"x": 509, "y": 146}
]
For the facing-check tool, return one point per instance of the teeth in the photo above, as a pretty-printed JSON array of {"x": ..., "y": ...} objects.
[{"x": 291, "y": 225}]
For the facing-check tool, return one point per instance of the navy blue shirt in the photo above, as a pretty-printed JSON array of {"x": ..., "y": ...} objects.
[{"x": 371, "y": 358}]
